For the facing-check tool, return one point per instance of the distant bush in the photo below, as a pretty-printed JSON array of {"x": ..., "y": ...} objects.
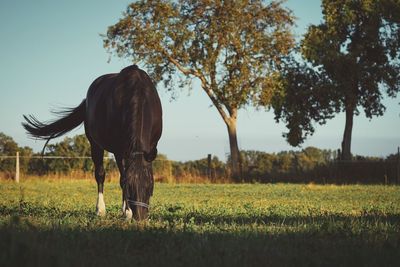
[
  {"x": 198, "y": 169},
  {"x": 318, "y": 166},
  {"x": 8, "y": 147},
  {"x": 308, "y": 165},
  {"x": 162, "y": 169}
]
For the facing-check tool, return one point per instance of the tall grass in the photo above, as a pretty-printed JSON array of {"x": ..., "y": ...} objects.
[{"x": 114, "y": 176}]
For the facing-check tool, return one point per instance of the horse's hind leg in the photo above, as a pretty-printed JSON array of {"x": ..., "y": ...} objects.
[{"x": 99, "y": 173}]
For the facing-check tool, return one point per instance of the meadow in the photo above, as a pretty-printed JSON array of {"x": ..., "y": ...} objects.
[{"x": 52, "y": 223}]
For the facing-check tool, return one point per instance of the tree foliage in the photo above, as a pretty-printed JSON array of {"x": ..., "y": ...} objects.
[
  {"x": 352, "y": 60},
  {"x": 77, "y": 146},
  {"x": 233, "y": 47},
  {"x": 74, "y": 153},
  {"x": 305, "y": 98},
  {"x": 358, "y": 45},
  {"x": 8, "y": 147}
]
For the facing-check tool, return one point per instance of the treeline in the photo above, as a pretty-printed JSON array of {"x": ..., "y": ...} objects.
[
  {"x": 304, "y": 166},
  {"x": 307, "y": 165},
  {"x": 318, "y": 166},
  {"x": 8, "y": 147},
  {"x": 73, "y": 153}
]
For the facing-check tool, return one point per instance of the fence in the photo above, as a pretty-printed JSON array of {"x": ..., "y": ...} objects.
[
  {"x": 293, "y": 170},
  {"x": 164, "y": 170},
  {"x": 385, "y": 171},
  {"x": 29, "y": 159},
  {"x": 334, "y": 172}
]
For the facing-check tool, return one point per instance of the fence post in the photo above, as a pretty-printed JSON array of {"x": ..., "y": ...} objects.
[{"x": 17, "y": 168}]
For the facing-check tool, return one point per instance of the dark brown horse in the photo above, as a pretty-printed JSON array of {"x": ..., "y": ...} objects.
[{"x": 122, "y": 114}]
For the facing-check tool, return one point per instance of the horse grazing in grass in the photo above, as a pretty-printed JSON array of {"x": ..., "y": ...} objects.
[{"x": 122, "y": 114}]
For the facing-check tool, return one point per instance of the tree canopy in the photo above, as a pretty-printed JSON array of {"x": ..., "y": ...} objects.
[
  {"x": 8, "y": 147},
  {"x": 355, "y": 51},
  {"x": 358, "y": 46},
  {"x": 233, "y": 47},
  {"x": 304, "y": 98}
]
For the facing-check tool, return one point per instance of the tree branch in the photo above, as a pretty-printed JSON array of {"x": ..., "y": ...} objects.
[
  {"x": 221, "y": 111},
  {"x": 204, "y": 84}
]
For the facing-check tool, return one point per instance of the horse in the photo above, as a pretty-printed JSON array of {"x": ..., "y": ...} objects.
[{"x": 121, "y": 114}]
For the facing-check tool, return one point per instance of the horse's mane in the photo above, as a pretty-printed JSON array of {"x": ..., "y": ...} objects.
[
  {"x": 134, "y": 123},
  {"x": 135, "y": 118}
]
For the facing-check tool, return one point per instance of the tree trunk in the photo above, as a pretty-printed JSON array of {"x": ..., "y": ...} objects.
[
  {"x": 235, "y": 155},
  {"x": 346, "y": 142}
]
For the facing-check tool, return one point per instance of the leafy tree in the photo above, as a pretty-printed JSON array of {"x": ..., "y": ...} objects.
[
  {"x": 199, "y": 168},
  {"x": 258, "y": 165},
  {"x": 357, "y": 47},
  {"x": 162, "y": 168},
  {"x": 304, "y": 97},
  {"x": 8, "y": 147},
  {"x": 305, "y": 165},
  {"x": 232, "y": 47},
  {"x": 74, "y": 153},
  {"x": 77, "y": 146},
  {"x": 318, "y": 155}
]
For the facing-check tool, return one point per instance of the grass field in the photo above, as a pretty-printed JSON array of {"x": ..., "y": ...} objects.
[{"x": 52, "y": 223}]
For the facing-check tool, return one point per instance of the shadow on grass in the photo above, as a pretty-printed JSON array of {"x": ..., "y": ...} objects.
[
  {"x": 342, "y": 242},
  {"x": 368, "y": 217}
]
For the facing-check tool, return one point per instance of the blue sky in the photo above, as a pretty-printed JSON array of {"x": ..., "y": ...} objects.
[{"x": 51, "y": 51}]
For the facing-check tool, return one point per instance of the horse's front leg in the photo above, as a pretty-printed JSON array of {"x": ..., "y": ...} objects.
[
  {"x": 99, "y": 173},
  {"x": 125, "y": 207}
]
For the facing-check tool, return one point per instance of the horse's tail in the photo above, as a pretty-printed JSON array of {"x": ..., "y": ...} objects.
[{"x": 70, "y": 118}]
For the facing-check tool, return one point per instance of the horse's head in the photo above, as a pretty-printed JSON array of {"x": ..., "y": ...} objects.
[{"x": 138, "y": 186}]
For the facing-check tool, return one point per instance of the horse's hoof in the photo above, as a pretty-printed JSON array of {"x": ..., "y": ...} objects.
[
  {"x": 101, "y": 212},
  {"x": 128, "y": 214}
]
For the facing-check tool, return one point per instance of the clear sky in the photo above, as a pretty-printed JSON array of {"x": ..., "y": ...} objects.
[{"x": 51, "y": 51}]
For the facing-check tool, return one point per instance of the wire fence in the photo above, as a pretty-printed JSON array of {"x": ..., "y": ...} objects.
[
  {"x": 383, "y": 171},
  {"x": 165, "y": 170}
]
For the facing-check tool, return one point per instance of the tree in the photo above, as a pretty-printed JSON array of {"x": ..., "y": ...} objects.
[
  {"x": 357, "y": 47},
  {"x": 232, "y": 47},
  {"x": 162, "y": 168},
  {"x": 77, "y": 146},
  {"x": 8, "y": 147},
  {"x": 304, "y": 98}
]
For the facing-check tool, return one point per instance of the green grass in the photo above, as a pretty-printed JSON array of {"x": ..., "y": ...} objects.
[{"x": 52, "y": 223}]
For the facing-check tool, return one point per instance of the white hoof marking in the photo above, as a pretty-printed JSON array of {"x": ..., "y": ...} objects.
[
  {"x": 128, "y": 214},
  {"x": 123, "y": 207},
  {"x": 126, "y": 211},
  {"x": 100, "y": 206}
]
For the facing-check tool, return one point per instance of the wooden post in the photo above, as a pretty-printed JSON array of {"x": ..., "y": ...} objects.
[{"x": 17, "y": 168}]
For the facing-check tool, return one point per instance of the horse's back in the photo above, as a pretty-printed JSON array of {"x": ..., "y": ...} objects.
[
  {"x": 100, "y": 85},
  {"x": 110, "y": 105}
]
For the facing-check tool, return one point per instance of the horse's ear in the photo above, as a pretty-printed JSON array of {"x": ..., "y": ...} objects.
[{"x": 151, "y": 155}]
